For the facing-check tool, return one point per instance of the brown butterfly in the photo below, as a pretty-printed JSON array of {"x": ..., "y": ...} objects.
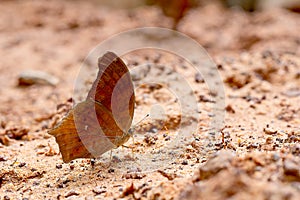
[{"x": 101, "y": 122}]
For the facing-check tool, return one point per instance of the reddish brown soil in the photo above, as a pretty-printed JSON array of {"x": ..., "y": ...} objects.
[{"x": 257, "y": 55}]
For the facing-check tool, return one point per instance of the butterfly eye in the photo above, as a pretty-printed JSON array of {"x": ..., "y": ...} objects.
[{"x": 130, "y": 131}]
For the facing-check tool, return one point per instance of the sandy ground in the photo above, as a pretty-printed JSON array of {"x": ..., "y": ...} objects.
[{"x": 257, "y": 55}]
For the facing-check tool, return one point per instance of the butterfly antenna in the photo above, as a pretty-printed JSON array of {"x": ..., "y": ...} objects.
[
  {"x": 133, "y": 127},
  {"x": 141, "y": 120}
]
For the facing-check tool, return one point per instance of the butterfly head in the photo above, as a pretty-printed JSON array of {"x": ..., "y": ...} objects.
[{"x": 131, "y": 130}]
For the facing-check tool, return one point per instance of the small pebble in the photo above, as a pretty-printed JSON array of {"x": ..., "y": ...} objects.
[
  {"x": 31, "y": 77},
  {"x": 230, "y": 109},
  {"x": 185, "y": 162},
  {"x": 265, "y": 86},
  {"x": 291, "y": 169},
  {"x": 3, "y": 158},
  {"x": 297, "y": 76},
  {"x": 293, "y": 92},
  {"x": 71, "y": 193},
  {"x": 98, "y": 190},
  {"x": 276, "y": 157},
  {"x": 116, "y": 159},
  {"x": 66, "y": 181},
  {"x": 153, "y": 130},
  {"x": 22, "y": 164},
  {"x": 35, "y": 183},
  {"x": 93, "y": 161},
  {"x": 270, "y": 131},
  {"x": 269, "y": 140},
  {"x": 199, "y": 78},
  {"x": 279, "y": 140},
  {"x": 296, "y": 149},
  {"x": 111, "y": 170},
  {"x": 59, "y": 166},
  {"x": 72, "y": 167},
  {"x": 133, "y": 176},
  {"x": 167, "y": 138}
]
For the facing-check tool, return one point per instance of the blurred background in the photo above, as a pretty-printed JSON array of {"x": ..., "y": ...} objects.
[{"x": 178, "y": 8}]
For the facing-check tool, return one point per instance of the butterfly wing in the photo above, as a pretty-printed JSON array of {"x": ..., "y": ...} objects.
[
  {"x": 68, "y": 140},
  {"x": 113, "y": 88},
  {"x": 83, "y": 135},
  {"x": 98, "y": 124}
]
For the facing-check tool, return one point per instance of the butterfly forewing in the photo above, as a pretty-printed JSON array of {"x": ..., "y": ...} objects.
[{"x": 113, "y": 88}]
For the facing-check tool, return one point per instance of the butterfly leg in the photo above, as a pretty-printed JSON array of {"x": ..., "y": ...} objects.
[
  {"x": 132, "y": 150},
  {"x": 110, "y": 159}
]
